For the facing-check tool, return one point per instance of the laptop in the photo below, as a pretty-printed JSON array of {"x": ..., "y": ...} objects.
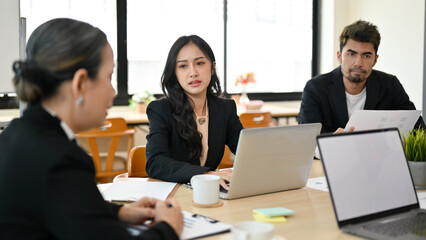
[
  {"x": 272, "y": 159},
  {"x": 370, "y": 185}
]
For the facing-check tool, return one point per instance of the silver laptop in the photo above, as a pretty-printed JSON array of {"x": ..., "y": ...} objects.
[
  {"x": 272, "y": 159},
  {"x": 370, "y": 185}
]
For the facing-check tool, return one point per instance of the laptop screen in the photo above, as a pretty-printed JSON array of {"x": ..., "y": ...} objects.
[{"x": 367, "y": 172}]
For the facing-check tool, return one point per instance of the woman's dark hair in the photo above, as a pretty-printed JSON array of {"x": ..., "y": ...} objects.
[
  {"x": 182, "y": 109},
  {"x": 55, "y": 51}
]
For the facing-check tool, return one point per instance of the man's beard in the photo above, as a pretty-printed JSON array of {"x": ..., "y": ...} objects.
[{"x": 357, "y": 78}]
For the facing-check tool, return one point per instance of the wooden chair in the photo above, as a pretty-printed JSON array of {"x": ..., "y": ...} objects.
[
  {"x": 136, "y": 165},
  {"x": 256, "y": 119},
  {"x": 137, "y": 162},
  {"x": 227, "y": 159},
  {"x": 107, "y": 161},
  {"x": 249, "y": 120}
]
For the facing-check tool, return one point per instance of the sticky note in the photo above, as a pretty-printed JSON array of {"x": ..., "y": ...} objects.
[
  {"x": 262, "y": 218},
  {"x": 274, "y": 212}
]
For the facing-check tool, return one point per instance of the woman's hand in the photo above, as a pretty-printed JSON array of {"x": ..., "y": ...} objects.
[
  {"x": 169, "y": 212},
  {"x": 139, "y": 211},
  {"x": 225, "y": 176},
  {"x": 153, "y": 209}
]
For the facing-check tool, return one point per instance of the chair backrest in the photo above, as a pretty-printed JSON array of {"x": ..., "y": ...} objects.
[
  {"x": 137, "y": 162},
  {"x": 227, "y": 159},
  {"x": 249, "y": 120},
  {"x": 256, "y": 119},
  {"x": 114, "y": 130}
]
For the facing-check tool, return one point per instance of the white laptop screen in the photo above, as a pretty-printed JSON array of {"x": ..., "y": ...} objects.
[{"x": 367, "y": 173}]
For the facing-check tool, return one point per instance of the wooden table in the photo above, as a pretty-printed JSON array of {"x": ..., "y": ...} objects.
[
  {"x": 277, "y": 109},
  {"x": 313, "y": 219},
  {"x": 6, "y": 115},
  {"x": 287, "y": 109},
  {"x": 131, "y": 116}
]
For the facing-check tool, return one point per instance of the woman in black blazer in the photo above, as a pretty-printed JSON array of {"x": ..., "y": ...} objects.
[
  {"x": 47, "y": 182},
  {"x": 190, "y": 127}
]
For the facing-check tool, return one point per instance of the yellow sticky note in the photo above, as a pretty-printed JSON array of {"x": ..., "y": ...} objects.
[
  {"x": 262, "y": 218},
  {"x": 274, "y": 212}
]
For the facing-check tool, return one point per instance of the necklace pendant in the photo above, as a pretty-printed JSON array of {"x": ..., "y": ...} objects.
[{"x": 201, "y": 121}]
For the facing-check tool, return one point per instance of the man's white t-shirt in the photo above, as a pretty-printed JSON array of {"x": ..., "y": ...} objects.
[{"x": 355, "y": 102}]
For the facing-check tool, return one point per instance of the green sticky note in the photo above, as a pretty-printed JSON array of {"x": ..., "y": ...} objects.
[{"x": 274, "y": 212}]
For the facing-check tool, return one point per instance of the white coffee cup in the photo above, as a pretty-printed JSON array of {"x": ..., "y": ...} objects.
[
  {"x": 205, "y": 189},
  {"x": 251, "y": 230}
]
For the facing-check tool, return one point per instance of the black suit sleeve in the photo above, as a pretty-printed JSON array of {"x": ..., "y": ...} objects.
[
  {"x": 161, "y": 138},
  {"x": 310, "y": 108},
  {"x": 400, "y": 99},
  {"x": 74, "y": 209},
  {"x": 233, "y": 129},
  {"x": 54, "y": 195}
]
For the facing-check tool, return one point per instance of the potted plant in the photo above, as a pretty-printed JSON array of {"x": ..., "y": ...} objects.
[
  {"x": 141, "y": 100},
  {"x": 415, "y": 150}
]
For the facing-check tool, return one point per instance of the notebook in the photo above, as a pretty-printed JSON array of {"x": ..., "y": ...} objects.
[
  {"x": 370, "y": 185},
  {"x": 272, "y": 159}
]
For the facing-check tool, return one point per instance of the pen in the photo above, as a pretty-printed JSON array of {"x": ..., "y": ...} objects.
[{"x": 116, "y": 201}]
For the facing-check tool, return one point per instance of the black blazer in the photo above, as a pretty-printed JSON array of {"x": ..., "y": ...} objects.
[
  {"x": 48, "y": 189},
  {"x": 324, "y": 99},
  {"x": 166, "y": 151}
]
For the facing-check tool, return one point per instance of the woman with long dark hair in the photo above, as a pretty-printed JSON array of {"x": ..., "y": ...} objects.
[
  {"x": 47, "y": 182},
  {"x": 190, "y": 127}
]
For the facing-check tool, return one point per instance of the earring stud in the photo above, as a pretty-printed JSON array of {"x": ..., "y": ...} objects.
[{"x": 79, "y": 100}]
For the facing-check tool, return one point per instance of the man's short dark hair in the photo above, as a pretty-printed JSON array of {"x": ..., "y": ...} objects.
[{"x": 361, "y": 31}]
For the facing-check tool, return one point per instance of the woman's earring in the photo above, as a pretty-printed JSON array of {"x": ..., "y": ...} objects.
[{"x": 79, "y": 100}]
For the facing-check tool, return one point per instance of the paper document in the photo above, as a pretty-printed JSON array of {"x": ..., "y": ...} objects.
[
  {"x": 134, "y": 190},
  {"x": 197, "y": 226},
  {"x": 422, "y": 199},
  {"x": 374, "y": 119},
  {"x": 318, "y": 183}
]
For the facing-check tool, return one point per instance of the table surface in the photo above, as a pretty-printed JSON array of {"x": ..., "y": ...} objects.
[
  {"x": 313, "y": 219},
  {"x": 277, "y": 109}
]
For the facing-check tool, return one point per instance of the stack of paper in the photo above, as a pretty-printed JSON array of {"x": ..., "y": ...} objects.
[
  {"x": 272, "y": 215},
  {"x": 123, "y": 191},
  {"x": 376, "y": 119}
]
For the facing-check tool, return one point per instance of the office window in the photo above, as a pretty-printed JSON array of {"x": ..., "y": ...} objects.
[
  {"x": 152, "y": 28},
  {"x": 272, "y": 39},
  {"x": 99, "y": 13}
]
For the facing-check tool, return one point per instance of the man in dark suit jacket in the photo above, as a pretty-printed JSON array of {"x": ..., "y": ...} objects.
[
  {"x": 167, "y": 153},
  {"x": 331, "y": 98}
]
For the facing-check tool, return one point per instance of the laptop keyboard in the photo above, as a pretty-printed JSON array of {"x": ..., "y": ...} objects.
[{"x": 415, "y": 224}]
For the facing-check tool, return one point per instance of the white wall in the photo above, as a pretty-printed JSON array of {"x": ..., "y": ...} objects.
[
  {"x": 401, "y": 25},
  {"x": 9, "y": 47}
]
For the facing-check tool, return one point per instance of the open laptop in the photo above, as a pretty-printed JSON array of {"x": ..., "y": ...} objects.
[
  {"x": 370, "y": 185},
  {"x": 272, "y": 159}
]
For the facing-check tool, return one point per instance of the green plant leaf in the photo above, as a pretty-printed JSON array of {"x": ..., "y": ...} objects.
[{"x": 415, "y": 145}]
